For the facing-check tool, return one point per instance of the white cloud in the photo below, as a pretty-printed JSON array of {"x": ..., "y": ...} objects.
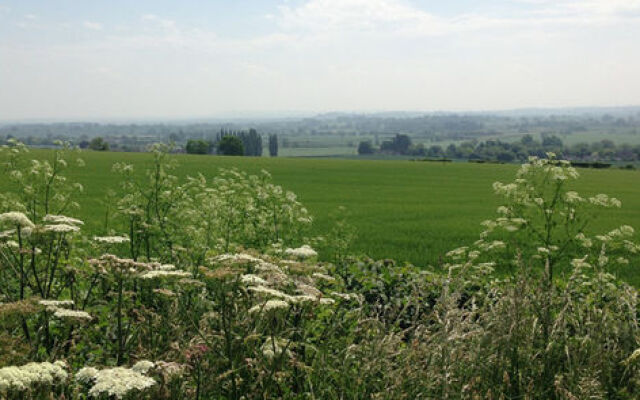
[
  {"x": 164, "y": 23},
  {"x": 94, "y": 26},
  {"x": 397, "y": 17}
]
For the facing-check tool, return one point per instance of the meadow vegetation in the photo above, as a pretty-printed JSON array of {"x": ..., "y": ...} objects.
[{"x": 211, "y": 287}]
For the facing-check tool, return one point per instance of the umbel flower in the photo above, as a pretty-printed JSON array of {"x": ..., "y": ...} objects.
[
  {"x": 29, "y": 375},
  {"x": 62, "y": 219},
  {"x": 15, "y": 218},
  {"x": 302, "y": 252},
  {"x": 111, "y": 239},
  {"x": 114, "y": 382}
]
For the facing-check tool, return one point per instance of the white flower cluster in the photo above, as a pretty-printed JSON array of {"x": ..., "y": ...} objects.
[
  {"x": 111, "y": 239},
  {"x": 302, "y": 252},
  {"x": 61, "y": 228},
  {"x": 74, "y": 315},
  {"x": 603, "y": 200},
  {"x": 58, "y": 310},
  {"x": 27, "y": 376},
  {"x": 273, "y": 347},
  {"x": 53, "y": 305},
  {"x": 15, "y": 218},
  {"x": 115, "y": 382},
  {"x": 251, "y": 279},
  {"x": 161, "y": 273},
  {"x": 236, "y": 258},
  {"x": 62, "y": 219},
  {"x": 269, "y": 305}
]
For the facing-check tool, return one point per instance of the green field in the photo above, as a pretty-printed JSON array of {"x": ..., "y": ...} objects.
[{"x": 408, "y": 211}]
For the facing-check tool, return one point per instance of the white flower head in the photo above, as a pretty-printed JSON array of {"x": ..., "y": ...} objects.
[
  {"x": 301, "y": 252},
  {"x": 15, "y": 218},
  {"x": 62, "y": 219},
  {"x": 111, "y": 239},
  {"x": 118, "y": 382},
  {"x": 61, "y": 228}
]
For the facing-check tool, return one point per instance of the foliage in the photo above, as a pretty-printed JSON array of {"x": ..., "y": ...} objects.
[
  {"x": 273, "y": 145},
  {"x": 230, "y": 146},
  {"x": 98, "y": 144},
  {"x": 365, "y": 147},
  {"x": 251, "y": 143},
  {"x": 197, "y": 147}
]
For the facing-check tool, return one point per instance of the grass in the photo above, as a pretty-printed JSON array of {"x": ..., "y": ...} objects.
[{"x": 408, "y": 211}]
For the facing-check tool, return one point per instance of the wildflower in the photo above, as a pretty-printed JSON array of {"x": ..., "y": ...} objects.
[
  {"x": 164, "y": 274},
  {"x": 622, "y": 260},
  {"x": 62, "y": 219},
  {"x": 457, "y": 253},
  {"x": 503, "y": 210},
  {"x": 111, "y": 239},
  {"x": 237, "y": 258},
  {"x": 56, "y": 303},
  {"x": 325, "y": 277},
  {"x": 626, "y": 230},
  {"x": 251, "y": 279},
  {"x": 86, "y": 375},
  {"x": 61, "y": 228},
  {"x": 544, "y": 250},
  {"x": 308, "y": 290},
  {"x": 143, "y": 366},
  {"x": 74, "y": 315},
  {"x": 119, "y": 382},
  {"x": 270, "y": 305},
  {"x": 10, "y": 244},
  {"x": 345, "y": 296},
  {"x": 7, "y": 234},
  {"x": 302, "y": 252},
  {"x": 25, "y": 377},
  {"x": 573, "y": 197},
  {"x": 16, "y": 219},
  {"x": 303, "y": 299},
  {"x": 273, "y": 347},
  {"x": 269, "y": 292},
  {"x": 605, "y": 201},
  {"x": 584, "y": 241}
]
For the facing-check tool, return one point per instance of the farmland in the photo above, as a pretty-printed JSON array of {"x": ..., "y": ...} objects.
[{"x": 404, "y": 210}]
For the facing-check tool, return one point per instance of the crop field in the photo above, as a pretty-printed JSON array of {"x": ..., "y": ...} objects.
[{"x": 408, "y": 211}]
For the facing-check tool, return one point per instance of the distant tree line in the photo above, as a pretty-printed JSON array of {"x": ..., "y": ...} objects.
[
  {"x": 229, "y": 142},
  {"x": 604, "y": 150}
]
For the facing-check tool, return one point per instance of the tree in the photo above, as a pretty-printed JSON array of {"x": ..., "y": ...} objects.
[
  {"x": 98, "y": 144},
  {"x": 230, "y": 146},
  {"x": 398, "y": 145},
  {"x": 273, "y": 145},
  {"x": 197, "y": 147},
  {"x": 365, "y": 147}
]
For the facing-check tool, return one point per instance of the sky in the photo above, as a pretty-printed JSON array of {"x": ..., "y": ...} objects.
[{"x": 120, "y": 59}]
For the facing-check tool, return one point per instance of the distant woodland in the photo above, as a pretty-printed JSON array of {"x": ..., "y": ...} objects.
[{"x": 591, "y": 134}]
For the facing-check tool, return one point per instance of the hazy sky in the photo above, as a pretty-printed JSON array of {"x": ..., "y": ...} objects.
[{"x": 84, "y": 59}]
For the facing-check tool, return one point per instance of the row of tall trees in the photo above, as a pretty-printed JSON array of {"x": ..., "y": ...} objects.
[{"x": 230, "y": 142}]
